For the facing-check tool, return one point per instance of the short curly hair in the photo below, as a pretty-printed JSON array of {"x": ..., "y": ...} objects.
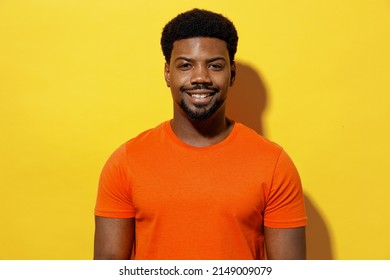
[{"x": 199, "y": 23}]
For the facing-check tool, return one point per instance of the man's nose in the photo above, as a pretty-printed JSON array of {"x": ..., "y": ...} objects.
[{"x": 200, "y": 75}]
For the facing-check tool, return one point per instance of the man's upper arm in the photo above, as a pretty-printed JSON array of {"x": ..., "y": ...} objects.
[
  {"x": 114, "y": 211},
  {"x": 285, "y": 243},
  {"x": 285, "y": 215},
  {"x": 114, "y": 238}
]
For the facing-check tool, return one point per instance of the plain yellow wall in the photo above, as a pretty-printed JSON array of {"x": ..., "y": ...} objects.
[{"x": 78, "y": 78}]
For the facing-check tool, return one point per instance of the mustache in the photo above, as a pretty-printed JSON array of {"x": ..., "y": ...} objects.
[{"x": 200, "y": 87}]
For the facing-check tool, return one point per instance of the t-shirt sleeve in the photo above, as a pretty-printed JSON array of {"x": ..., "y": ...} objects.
[
  {"x": 114, "y": 198},
  {"x": 285, "y": 206}
]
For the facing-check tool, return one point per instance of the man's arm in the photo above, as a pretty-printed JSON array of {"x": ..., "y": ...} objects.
[
  {"x": 285, "y": 243},
  {"x": 114, "y": 238}
]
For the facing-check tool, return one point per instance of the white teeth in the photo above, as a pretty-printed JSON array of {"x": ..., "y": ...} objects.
[{"x": 199, "y": 95}]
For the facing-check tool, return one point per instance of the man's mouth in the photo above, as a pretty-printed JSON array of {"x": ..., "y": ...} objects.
[
  {"x": 200, "y": 95},
  {"x": 200, "y": 92}
]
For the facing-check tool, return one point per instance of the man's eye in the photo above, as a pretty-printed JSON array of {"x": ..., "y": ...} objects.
[
  {"x": 215, "y": 66},
  {"x": 185, "y": 66}
]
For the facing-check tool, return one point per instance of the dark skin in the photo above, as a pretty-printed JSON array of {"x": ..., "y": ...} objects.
[
  {"x": 196, "y": 62},
  {"x": 114, "y": 238},
  {"x": 200, "y": 61}
]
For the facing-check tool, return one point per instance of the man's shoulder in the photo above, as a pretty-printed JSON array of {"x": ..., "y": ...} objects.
[
  {"x": 144, "y": 142},
  {"x": 147, "y": 136},
  {"x": 254, "y": 139}
]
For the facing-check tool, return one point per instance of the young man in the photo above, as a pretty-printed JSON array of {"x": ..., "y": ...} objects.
[{"x": 199, "y": 186}]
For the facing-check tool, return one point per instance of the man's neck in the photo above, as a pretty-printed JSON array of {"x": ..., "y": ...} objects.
[{"x": 201, "y": 133}]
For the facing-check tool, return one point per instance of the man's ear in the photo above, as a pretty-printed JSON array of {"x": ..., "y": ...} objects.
[
  {"x": 232, "y": 73},
  {"x": 167, "y": 74}
]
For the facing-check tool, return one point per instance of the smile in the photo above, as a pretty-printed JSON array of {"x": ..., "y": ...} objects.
[{"x": 199, "y": 95}]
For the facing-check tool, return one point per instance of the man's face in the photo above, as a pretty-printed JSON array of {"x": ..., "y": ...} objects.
[{"x": 199, "y": 75}]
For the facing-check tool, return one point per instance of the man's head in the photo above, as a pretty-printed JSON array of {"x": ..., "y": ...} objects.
[
  {"x": 199, "y": 48},
  {"x": 199, "y": 23}
]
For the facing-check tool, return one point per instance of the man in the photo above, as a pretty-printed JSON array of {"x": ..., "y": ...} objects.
[{"x": 199, "y": 186}]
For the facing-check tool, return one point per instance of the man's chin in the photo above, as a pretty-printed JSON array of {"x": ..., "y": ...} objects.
[
  {"x": 200, "y": 113},
  {"x": 198, "y": 116}
]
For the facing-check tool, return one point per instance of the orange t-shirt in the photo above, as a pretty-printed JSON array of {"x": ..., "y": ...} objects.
[{"x": 201, "y": 203}]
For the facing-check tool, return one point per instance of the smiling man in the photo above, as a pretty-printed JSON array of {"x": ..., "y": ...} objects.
[{"x": 200, "y": 186}]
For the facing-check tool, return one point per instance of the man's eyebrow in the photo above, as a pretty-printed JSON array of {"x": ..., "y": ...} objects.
[
  {"x": 183, "y": 58},
  {"x": 215, "y": 59},
  {"x": 208, "y": 60}
]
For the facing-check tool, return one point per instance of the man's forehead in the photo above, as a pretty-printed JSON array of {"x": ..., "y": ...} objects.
[
  {"x": 199, "y": 45},
  {"x": 198, "y": 39}
]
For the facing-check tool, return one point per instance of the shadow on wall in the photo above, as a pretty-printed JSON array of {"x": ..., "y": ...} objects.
[
  {"x": 246, "y": 104},
  {"x": 247, "y": 98},
  {"x": 318, "y": 242}
]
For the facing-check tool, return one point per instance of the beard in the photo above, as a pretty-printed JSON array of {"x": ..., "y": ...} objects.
[{"x": 201, "y": 112}]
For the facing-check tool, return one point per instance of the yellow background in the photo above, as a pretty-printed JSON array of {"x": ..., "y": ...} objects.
[{"x": 78, "y": 78}]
